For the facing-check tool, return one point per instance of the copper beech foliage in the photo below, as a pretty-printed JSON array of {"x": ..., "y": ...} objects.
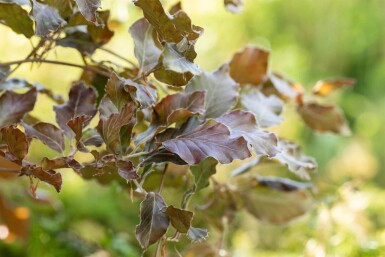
[{"x": 158, "y": 114}]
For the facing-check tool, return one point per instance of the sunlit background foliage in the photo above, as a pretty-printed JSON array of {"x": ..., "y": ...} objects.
[{"x": 309, "y": 40}]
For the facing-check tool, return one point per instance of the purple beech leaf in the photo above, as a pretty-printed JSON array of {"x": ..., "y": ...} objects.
[
  {"x": 211, "y": 139},
  {"x": 109, "y": 128},
  {"x": 14, "y": 106},
  {"x": 82, "y": 100},
  {"x": 60, "y": 163},
  {"x": 202, "y": 173},
  {"x": 16, "y": 141},
  {"x": 101, "y": 34},
  {"x": 234, "y": 6},
  {"x": 197, "y": 234},
  {"x": 290, "y": 155},
  {"x": 15, "y": 83},
  {"x": 171, "y": 109},
  {"x": 325, "y": 87},
  {"x": 153, "y": 221},
  {"x": 146, "y": 51},
  {"x": 47, "y": 19},
  {"x": 171, "y": 28},
  {"x": 15, "y": 17},
  {"x": 161, "y": 156},
  {"x": 275, "y": 201},
  {"x": 174, "y": 60},
  {"x": 265, "y": 108},
  {"x": 242, "y": 123},
  {"x": 48, "y": 134},
  {"x": 127, "y": 170},
  {"x": 79, "y": 40},
  {"x": 176, "y": 107},
  {"x": 250, "y": 65},
  {"x": 173, "y": 78},
  {"x": 116, "y": 92},
  {"x": 324, "y": 118},
  {"x": 91, "y": 137},
  {"x": 281, "y": 86},
  {"x": 282, "y": 184},
  {"x": 77, "y": 125},
  {"x": 180, "y": 219},
  {"x": 107, "y": 107},
  {"x": 144, "y": 95},
  {"x": 50, "y": 177},
  {"x": 221, "y": 91},
  {"x": 88, "y": 8}
]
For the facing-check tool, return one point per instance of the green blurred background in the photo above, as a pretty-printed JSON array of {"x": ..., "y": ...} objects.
[{"x": 310, "y": 40}]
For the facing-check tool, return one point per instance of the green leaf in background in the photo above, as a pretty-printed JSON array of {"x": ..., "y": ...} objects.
[
  {"x": 202, "y": 173},
  {"x": 153, "y": 221},
  {"x": 14, "y": 16}
]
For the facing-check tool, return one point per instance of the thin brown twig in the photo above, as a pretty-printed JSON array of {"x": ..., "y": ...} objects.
[
  {"x": 103, "y": 73},
  {"x": 117, "y": 55}
]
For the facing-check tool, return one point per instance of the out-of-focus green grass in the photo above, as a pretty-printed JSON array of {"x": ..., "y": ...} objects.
[{"x": 309, "y": 40}]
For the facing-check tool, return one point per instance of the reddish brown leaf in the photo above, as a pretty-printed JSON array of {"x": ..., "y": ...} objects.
[
  {"x": 325, "y": 87},
  {"x": 60, "y": 163},
  {"x": 209, "y": 140},
  {"x": 77, "y": 125},
  {"x": 50, "y": 176},
  {"x": 14, "y": 106},
  {"x": 324, "y": 118},
  {"x": 101, "y": 34},
  {"x": 109, "y": 128},
  {"x": 16, "y": 141},
  {"x": 116, "y": 92},
  {"x": 82, "y": 100},
  {"x": 242, "y": 123},
  {"x": 282, "y": 87},
  {"x": 48, "y": 134},
  {"x": 249, "y": 66}
]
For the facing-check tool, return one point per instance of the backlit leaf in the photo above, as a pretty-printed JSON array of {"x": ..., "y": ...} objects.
[
  {"x": 88, "y": 8},
  {"x": 146, "y": 51},
  {"x": 60, "y": 163},
  {"x": 221, "y": 91},
  {"x": 275, "y": 201},
  {"x": 101, "y": 34},
  {"x": 82, "y": 100},
  {"x": 202, "y": 173},
  {"x": 48, "y": 134},
  {"x": 180, "y": 219},
  {"x": 14, "y": 106},
  {"x": 324, "y": 118},
  {"x": 281, "y": 86},
  {"x": 77, "y": 125},
  {"x": 15, "y": 17},
  {"x": 242, "y": 123},
  {"x": 47, "y": 19},
  {"x": 209, "y": 140},
  {"x": 290, "y": 155},
  {"x": 197, "y": 234},
  {"x": 325, "y": 87},
  {"x": 153, "y": 221},
  {"x": 234, "y": 6},
  {"x": 250, "y": 65},
  {"x": 16, "y": 141},
  {"x": 265, "y": 108}
]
